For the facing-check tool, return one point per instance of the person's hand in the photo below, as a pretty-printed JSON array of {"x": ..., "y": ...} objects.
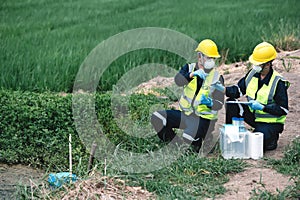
[
  {"x": 200, "y": 73},
  {"x": 206, "y": 101},
  {"x": 256, "y": 105},
  {"x": 218, "y": 86}
]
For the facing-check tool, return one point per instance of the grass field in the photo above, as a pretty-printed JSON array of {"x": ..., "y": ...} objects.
[{"x": 44, "y": 42}]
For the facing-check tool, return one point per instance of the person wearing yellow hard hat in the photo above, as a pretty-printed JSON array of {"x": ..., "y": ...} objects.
[
  {"x": 266, "y": 92},
  {"x": 199, "y": 103}
]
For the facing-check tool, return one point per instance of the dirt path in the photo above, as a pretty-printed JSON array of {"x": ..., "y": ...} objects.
[{"x": 14, "y": 175}]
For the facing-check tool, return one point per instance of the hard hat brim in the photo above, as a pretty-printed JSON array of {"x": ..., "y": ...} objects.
[
  {"x": 212, "y": 56},
  {"x": 254, "y": 62}
]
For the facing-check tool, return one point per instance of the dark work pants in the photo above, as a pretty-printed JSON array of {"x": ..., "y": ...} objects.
[
  {"x": 195, "y": 126},
  {"x": 270, "y": 130}
]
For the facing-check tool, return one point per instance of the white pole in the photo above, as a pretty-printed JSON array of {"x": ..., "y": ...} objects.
[{"x": 70, "y": 157}]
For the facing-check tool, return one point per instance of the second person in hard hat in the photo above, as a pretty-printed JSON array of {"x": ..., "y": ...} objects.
[
  {"x": 266, "y": 91},
  {"x": 199, "y": 102}
]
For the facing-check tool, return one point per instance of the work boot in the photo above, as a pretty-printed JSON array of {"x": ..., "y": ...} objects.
[{"x": 271, "y": 146}]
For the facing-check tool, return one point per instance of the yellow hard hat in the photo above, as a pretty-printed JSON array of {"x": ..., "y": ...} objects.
[
  {"x": 208, "y": 48},
  {"x": 262, "y": 53}
]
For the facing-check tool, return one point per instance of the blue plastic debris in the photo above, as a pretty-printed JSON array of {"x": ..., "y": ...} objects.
[{"x": 58, "y": 179}]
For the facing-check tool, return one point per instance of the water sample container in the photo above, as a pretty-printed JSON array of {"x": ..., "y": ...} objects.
[
  {"x": 236, "y": 121},
  {"x": 233, "y": 143}
]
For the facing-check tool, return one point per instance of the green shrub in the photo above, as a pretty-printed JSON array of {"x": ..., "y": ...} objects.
[{"x": 35, "y": 127}]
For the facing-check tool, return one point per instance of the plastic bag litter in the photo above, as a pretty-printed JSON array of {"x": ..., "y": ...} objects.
[{"x": 58, "y": 179}]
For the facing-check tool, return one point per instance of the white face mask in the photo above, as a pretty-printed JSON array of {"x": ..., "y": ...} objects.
[
  {"x": 257, "y": 68},
  {"x": 209, "y": 64}
]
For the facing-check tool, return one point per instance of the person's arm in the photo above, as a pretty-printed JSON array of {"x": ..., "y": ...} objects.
[
  {"x": 280, "y": 106},
  {"x": 183, "y": 77},
  {"x": 236, "y": 91},
  {"x": 218, "y": 97}
]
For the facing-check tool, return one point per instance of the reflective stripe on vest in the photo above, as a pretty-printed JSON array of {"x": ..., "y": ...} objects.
[
  {"x": 189, "y": 103},
  {"x": 249, "y": 77},
  {"x": 264, "y": 96}
]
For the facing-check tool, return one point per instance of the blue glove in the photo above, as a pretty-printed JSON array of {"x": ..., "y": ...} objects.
[
  {"x": 206, "y": 101},
  {"x": 200, "y": 73},
  {"x": 255, "y": 105},
  {"x": 218, "y": 86}
]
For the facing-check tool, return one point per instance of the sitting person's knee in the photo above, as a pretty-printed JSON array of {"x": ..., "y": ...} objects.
[{"x": 158, "y": 121}]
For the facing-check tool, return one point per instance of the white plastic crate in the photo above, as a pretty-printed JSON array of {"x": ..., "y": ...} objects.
[{"x": 233, "y": 143}]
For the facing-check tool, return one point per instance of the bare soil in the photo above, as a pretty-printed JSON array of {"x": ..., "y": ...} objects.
[{"x": 14, "y": 175}]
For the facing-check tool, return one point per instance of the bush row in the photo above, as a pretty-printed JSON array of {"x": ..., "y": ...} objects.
[{"x": 35, "y": 127}]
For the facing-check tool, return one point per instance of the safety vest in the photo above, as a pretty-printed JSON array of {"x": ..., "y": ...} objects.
[
  {"x": 190, "y": 103},
  {"x": 264, "y": 96}
]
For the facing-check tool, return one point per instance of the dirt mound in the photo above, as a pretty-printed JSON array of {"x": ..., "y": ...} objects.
[{"x": 157, "y": 82}]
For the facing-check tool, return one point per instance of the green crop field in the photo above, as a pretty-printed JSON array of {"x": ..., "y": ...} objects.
[{"x": 43, "y": 43}]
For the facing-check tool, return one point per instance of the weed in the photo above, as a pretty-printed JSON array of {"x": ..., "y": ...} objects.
[
  {"x": 287, "y": 66},
  {"x": 226, "y": 72},
  {"x": 224, "y": 56},
  {"x": 248, "y": 66}
]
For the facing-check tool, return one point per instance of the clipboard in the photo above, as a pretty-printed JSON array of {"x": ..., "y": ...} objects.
[{"x": 239, "y": 102}]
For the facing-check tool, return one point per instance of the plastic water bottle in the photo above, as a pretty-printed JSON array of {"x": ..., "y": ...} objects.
[
  {"x": 58, "y": 179},
  {"x": 242, "y": 127},
  {"x": 244, "y": 135},
  {"x": 240, "y": 149},
  {"x": 235, "y": 121}
]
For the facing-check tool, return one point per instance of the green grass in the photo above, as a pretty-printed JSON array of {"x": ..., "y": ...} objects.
[
  {"x": 190, "y": 177},
  {"x": 44, "y": 42}
]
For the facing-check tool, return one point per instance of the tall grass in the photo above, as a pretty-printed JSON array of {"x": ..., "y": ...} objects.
[
  {"x": 287, "y": 38},
  {"x": 44, "y": 42}
]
